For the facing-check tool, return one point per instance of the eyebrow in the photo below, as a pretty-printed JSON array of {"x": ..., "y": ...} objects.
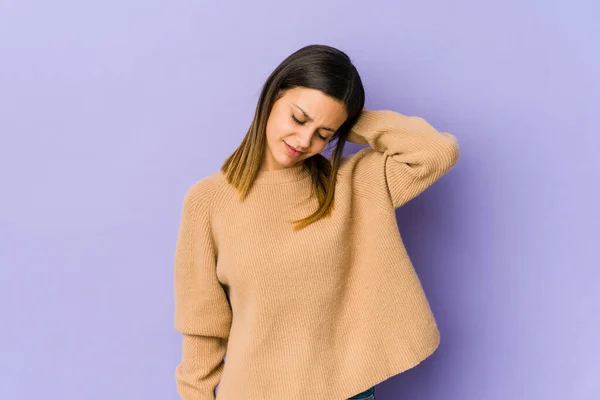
[{"x": 310, "y": 119}]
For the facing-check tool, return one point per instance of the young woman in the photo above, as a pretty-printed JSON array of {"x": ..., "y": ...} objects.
[{"x": 291, "y": 279}]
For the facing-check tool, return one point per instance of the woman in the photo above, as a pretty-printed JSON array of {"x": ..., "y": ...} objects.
[{"x": 291, "y": 279}]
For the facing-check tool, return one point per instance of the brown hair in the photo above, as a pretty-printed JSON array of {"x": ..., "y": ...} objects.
[{"x": 320, "y": 67}]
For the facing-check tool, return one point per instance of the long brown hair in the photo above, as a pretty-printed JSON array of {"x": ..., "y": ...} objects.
[{"x": 320, "y": 67}]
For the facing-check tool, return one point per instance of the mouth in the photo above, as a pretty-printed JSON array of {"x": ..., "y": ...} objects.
[{"x": 291, "y": 151}]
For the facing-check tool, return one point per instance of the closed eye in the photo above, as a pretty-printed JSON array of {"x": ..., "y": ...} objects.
[{"x": 303, "y": 122}]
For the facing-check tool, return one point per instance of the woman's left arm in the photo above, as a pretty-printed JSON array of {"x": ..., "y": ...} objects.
[{"x": 409, "y": 151}]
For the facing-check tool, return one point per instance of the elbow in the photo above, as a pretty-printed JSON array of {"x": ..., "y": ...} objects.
[{"x": 448, "y": 153}]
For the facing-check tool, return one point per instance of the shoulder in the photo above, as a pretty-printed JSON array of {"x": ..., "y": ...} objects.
[
  {"x": 365, "y": 166},
  {"x": 364, "y": 172},
  {"x": 200, "y": 195}
]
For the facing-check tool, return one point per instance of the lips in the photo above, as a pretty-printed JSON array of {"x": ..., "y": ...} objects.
[{"x": 292, "y": 150}]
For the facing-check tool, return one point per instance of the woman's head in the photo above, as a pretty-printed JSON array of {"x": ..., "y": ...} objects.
[
  {"x": 301, "y": 119},
  {"x": 310, "y": 101}
]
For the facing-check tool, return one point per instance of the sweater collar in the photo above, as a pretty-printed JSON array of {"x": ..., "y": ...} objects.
[{"x": 282, "y": 175}]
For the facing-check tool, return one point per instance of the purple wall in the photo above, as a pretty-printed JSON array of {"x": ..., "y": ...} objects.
[{"x": 110, "y": 111}]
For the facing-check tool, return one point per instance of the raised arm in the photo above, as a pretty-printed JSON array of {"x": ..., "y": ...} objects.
[
  {"x": 202, "y": 311},
  {"x": 408, "y": 152}
]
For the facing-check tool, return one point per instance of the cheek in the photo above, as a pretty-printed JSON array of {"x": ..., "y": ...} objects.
[
  {"x": 274, "y": 128},
  {"x": 319, "y": 146},
  {"x": 283, "y": 129}
]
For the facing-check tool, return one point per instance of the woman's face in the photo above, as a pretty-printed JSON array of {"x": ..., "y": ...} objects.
[{"x": 304, "y": 120}]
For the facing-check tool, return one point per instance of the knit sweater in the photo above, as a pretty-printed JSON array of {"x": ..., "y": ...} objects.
[{"x": 269, "y": 313}]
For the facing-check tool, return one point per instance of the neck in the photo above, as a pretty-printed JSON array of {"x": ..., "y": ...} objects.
[{"x": 282, "y": 175}]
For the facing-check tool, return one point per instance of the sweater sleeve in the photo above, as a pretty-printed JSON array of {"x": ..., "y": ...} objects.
[
  {"x": 408, "y": 152},
  {"x": 202, "y": 310}
]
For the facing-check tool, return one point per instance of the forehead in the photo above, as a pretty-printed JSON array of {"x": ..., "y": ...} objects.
[{"x": 316, "y": 104}]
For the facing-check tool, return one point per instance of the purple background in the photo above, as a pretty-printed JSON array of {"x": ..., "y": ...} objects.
[{"x": 110, "y": 110}]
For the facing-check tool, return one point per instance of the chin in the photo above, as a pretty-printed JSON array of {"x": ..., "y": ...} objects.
[
  {"x": 282, "y": 159},
  {"x": 286, "y": 161}
]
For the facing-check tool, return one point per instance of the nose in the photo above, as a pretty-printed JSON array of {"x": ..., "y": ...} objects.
[{"x": 303, "y": 139}]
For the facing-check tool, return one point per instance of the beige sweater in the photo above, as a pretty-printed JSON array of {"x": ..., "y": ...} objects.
[{"x": 322, "y": 313}]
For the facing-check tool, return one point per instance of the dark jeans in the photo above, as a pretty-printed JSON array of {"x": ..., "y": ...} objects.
[{"x": 368, "y": 394}]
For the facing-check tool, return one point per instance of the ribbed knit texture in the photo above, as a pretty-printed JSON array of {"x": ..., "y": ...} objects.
[{"x": 322, "y": 313}]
